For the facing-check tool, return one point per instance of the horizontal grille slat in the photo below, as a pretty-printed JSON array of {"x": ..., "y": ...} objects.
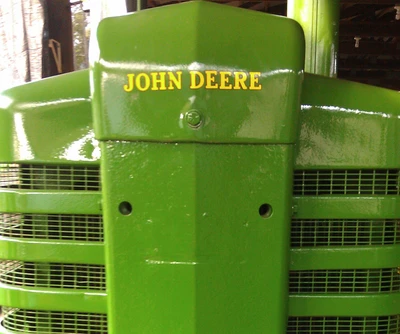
[
  {"x": 48, "y": 322},
  {"x": 50, "y": 177},
  {"x": 87, "y": 228},
  {"x": 53, "y": 275},
  {"x": 344, "y": 325},
  {"x": 344, "y": 232},
  {"x": 346, "y": 182},
  {"x": 355, "y": 281}
]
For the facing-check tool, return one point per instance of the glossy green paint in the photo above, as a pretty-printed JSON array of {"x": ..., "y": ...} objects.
[
  {"x": 49, "y": 122},
  {"x": 320, "y": 258},
  {"x": 39, "y": 250},
  {"x": 320, "y": 22},
  {"x": 207, "y": 41},
  {"x": 346, "y": 126},
  {"x": 62, "y": 202},
  {"x": 63, "y": 300},
  {"x": 195, "y": 255}
]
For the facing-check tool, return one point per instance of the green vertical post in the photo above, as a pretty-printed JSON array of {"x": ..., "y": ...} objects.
[
  {"x": 320, "y": 22},
  {"x": 136, "y": 5}
]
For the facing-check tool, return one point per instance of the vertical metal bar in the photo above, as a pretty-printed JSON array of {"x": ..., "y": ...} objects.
[
  {"x": 141, "y": 4},
  {"x": 320, "y": 22},
  {"x": 60, "y": 29},
  {"x": 136, "y": 5}
]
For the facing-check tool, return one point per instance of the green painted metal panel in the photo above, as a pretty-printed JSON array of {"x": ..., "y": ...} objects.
[
  {"x": 53, "y": 299},
  {"x": 48, "y": 121},
  {"x": 128, "y": 47},
  {"x": 346, "y": 191},
  {"x": 195, "y": 250},
  {"x": 345, "y": 305},
  {"x": 373, "y": 207},
  {"x": 50, "y": 202},
  {"x": 354, "y": 127},
  {"x": 195, "y": 254},
  {"x": 196, "y": 223},
  {"x": 46, "y": 251},
  {"x": 49, "y": 209},
  {"x": 344, "y": 257}
]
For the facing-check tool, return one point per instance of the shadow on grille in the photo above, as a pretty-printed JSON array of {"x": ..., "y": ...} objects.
[
  {"x": 48, "y": 322},
  {"x": 340, "y": 232},
  {"x": 346, "y": 182},
  {"x": 52, "y": 226},
  {"x": 358, "y": 281},
  {"x": 50, "y": 177},
  {"x": 53, "y": 275},
  {"x": 344, "y": 325}
]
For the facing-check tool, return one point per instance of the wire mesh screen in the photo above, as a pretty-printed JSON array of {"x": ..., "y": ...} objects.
[
  {"x": 344, "y": 325},
  {"x": 357, "y": 281},
  {"x": 52, "y": 226},
  {"x": 53, "y": 275},
  {"x": 50, "y": 177},
  {"x": 344, "y": 232},
  {"x": 48, "y": 322},
  {"x": 346, "y": 182}
]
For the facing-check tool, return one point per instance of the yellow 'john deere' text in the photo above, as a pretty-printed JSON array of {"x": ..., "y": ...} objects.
[{"x": 209, "y": 79}]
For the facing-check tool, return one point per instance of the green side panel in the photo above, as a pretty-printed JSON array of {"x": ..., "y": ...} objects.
[
  {"x": 195, "y": 256},
  {"x": 194, "y": 38},
  {"x": 348, "y": 125},
  {"x": 46, "y": 251},
  {"x": 53, "y": 299},
  {"x": 50, "y": 202},
  {"x": 345, "y": 229},
  {"x": 48, "y": 121},
  {"x": 23, "y": 321},
  {"x": 320, "y": 258},
  {"x": 51, "y": 233}
]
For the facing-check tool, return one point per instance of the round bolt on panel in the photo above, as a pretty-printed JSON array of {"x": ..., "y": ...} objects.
[{"x": 193, "y": 118}]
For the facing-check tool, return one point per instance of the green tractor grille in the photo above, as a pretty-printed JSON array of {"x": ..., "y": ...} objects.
[
  {"x": 358, "y": 281},
  {"x": 49, "y": 177},
  {"x": 345, "y": 325},
  {"x": 53, "y": 275},
  {"x": 313, "y": 235},
  {"x": 346, "y": 182},
  {"x": 52, "y": 226},
  {"x": 344, "y": 232},
  {"x": 43, "y": 322},
  {"x": 68, "y": 230}
]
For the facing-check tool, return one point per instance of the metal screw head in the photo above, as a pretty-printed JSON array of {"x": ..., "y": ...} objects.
[{"x": 193, "y": 118}]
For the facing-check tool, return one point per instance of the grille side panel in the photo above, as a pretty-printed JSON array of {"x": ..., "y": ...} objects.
[
  {"x": 370, "y": 182},
  {"x": 52, "y": 226},
  {"x": 52, "y": 275},
  {"x": 344, "y": 325},
  {"x": 49, "y": 322},
  {"x": 49, "y": 177},
  {"x": 344, "y": 232},
  {"x": 57, "y": 288}
]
